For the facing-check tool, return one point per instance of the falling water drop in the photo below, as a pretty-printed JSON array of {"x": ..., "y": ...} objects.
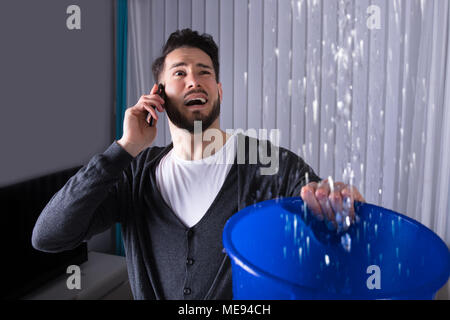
[
  {"x": 347, "y": 222},
  {"x": 346, "y": 242},
  {"x": 331, "y": 183},
  {"x": 307, "y": 244},
  {"x": 299, "y": 8},
  {"x": 295, "y": 228},
  {"x": 327, "y": 259},
  {"x": 315, "y": 110}
]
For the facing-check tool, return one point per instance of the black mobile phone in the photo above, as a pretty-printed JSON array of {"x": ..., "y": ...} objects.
[{"x": 162, "y": 94}]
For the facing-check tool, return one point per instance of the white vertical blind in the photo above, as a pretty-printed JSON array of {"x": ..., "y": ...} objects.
[{"x": 366, "y": 106}]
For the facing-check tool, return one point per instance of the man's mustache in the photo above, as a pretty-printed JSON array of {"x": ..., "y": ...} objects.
[{"x": 195, "y": 91}]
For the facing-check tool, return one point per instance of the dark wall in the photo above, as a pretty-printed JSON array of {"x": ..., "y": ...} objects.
[{"x": 56, "y": 88}]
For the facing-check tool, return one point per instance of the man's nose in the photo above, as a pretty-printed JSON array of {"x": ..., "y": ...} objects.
[{"x": 192, "y": 81}]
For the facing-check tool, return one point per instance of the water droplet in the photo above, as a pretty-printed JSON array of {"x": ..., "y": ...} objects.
[
  {"x": 331, "y": 183},
  {"x": 315, "y": 110},
  {"x": 347, "y": 222},
  {"x": 295, "y": 228},
  {"x": 307, "y": 244},
  {"x": 346, "y": 242},
  {"x": 327, "y": 260},
  {"x": 284, "y": 252}
]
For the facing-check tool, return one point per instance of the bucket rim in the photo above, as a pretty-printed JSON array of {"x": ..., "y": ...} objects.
[{"x": 437, "y": 281}]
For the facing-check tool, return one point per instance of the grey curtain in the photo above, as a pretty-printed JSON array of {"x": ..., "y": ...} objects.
[{"x": 364, "y": 103}]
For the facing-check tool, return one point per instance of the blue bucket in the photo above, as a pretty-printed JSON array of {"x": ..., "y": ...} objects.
[{"x": 278, "y": 250}]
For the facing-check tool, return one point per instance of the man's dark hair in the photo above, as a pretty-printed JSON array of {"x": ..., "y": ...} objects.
[{"x": 190, "y": 39}]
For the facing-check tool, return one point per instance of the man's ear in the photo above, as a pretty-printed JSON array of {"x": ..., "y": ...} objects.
[{"x": 220, "y": 91}]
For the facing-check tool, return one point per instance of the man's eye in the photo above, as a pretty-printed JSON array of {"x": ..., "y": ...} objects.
[
  {"x": 205, "y": 72},
  {"x": 179, "y": 73}
]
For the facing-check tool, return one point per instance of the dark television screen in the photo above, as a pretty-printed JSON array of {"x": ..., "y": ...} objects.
[{"x": 23, "y": 267}]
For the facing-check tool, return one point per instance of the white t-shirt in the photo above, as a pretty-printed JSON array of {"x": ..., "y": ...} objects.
[{"x": 189, "y": 187}]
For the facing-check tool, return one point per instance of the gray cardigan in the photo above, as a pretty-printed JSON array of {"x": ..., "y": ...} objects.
[{"x": 165, "y": 259}]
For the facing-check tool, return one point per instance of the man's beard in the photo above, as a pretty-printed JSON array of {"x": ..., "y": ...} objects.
[{"x": 182, "y": 122}]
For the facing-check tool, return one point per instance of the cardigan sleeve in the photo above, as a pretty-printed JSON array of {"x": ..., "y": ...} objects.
[
  {"x": 89, "y": 203},
  {"x": 295, "y": 172}
]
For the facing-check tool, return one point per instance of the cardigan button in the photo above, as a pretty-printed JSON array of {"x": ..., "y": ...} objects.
[
  {"x": 187, "y": 291},
  {"x": 190, "y": 261}
]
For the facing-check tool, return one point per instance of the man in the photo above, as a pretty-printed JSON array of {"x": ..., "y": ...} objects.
[{"x": 173, "y": 206}]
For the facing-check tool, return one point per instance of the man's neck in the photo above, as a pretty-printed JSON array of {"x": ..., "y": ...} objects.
[{"x": 190, "y": 146}]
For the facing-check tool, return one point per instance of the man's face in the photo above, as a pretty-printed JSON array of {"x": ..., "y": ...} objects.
[
  {"x": 189, "y": 78},
  {"x": 192, "y": 93}
]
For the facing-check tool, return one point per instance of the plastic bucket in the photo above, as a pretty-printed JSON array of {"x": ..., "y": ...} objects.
[{"x": 278, "y": 250}]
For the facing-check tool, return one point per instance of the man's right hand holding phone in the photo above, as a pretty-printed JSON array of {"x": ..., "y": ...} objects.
[{"x": 137, "y": 133}]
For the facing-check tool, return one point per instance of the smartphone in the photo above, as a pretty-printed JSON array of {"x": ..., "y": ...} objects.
[{"x": 162, "y": 94}]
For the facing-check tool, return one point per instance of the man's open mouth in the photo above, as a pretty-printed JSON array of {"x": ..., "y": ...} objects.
[{"x": 195, "y": 102}]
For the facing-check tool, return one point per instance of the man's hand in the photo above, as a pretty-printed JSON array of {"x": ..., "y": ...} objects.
[
  {"x": 333, "y": 202},
  {"x": 137, "y": 133}
]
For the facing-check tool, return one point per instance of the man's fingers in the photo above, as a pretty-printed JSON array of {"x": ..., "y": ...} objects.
[
  {"x": 322, "y": 194},
  {"x": 335, "y": 197},
  {"x": 308, "y": 195},
  {"x": 153, "y": 102},
  {"x": 154, "y": 89},
  {"x": 142, "y": 107},
  {"x": 152, "y": 112},
  {"x": 350, "y": 194}
]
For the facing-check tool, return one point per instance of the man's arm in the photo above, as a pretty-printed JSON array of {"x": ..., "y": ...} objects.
[
  {"x": 297, "y": 172},
  {"x": 89, "y": 203}
]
